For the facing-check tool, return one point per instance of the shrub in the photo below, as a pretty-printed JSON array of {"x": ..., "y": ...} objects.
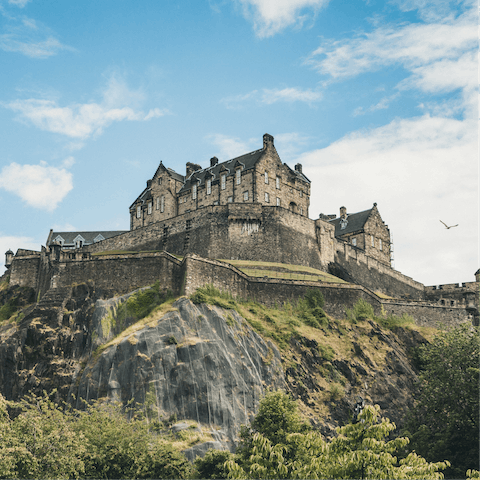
[{"x": 362, "y": 310}]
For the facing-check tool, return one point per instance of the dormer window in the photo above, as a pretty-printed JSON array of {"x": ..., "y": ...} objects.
[
  {"x": 139, "y": 211},
  {"x": 223, "y": 181},
  {"x": 59, "y": 240},
  {"x": 277, "y": 182},
  {"x": 266, "y": 177},
  {"x": 209, "y": 186},
  {"x": 238, "y": 176}
]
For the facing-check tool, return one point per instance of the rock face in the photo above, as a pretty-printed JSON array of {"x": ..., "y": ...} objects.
[{"x": 198, "y": 362}]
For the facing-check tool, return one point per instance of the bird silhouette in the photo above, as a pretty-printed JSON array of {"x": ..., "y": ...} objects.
[{"x": 448, "y": 227}]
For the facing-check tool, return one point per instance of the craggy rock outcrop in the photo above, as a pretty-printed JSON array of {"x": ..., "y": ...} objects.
[{"x": 197, "y": 362}]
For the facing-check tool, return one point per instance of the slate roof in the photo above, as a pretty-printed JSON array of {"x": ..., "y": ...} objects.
[
  {"x": 247, "y": 161},
  {"x": 355, "y": 222},
  {"x": 69, "y": 237}
]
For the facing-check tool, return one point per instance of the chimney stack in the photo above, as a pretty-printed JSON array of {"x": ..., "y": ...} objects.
[
  {"x": 213, "y": 161},
  {"x": 267, "y": 141},
  {"x": 192, "y": 167},
  {"x": 343, "y": 212},
  {"x": 298, "y": 167}
]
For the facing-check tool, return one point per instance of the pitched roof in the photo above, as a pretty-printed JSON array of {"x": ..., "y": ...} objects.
[
  {"x": 354, "y": 222},
  {"x": 88, "y": 237},
  {"x": 247, "y": 161}
]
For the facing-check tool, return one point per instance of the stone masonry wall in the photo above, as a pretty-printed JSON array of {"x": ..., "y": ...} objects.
[
  {"x": 374, "y": 275},
  {"x": 24, "y": 271}
]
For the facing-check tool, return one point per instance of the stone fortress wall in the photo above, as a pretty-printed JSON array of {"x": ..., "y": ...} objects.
[{"x": 120, "y": 273}]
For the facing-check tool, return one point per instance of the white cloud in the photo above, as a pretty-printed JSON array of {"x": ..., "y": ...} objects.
[
  {"x": 383, "y": 104},
  {"x": 290, "y": 95},
  {"x": 34, "y": 49},
  {"x": 420, "y": 48},
  {"x": 40, "y": 186},
  {"x": 81, "y": 121},
  {"x": 229, "y": 147},
  {"x": 271, "y": 16},
  {"x": 432, "y": 10},
  {"x": 274, "y": 95},
  {"x": 18, "y": 3},
  {"x": 418, "y": 170}
]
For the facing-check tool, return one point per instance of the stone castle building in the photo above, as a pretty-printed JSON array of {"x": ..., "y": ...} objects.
[{"x": 253, "y": 207}]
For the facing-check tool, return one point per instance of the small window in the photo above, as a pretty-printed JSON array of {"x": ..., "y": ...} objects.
[
  {"x": 452, "y": 303},
  {"x": 223, "y": 180},
  {"x": 159, "y": 181},
  {"x": 277, "y": 182},
  {"x": 301, "y": 210},
  {"x": 157, "y": 203},
  {"x": 194, "y": 192},
  {"x": 278, "y": 202},
  {"x": 215, "y": 202},
  {"x": 267, "y": 197},
  {"x": 162, "y": 204},
  {"x": 266, "y": 178},
  {"x": 380, "y": 244},
  {"x": 354, "y": 241},
  {"x": 373, "y": 241},
  {"x": 238, "y": 176},
  {"x": 245, "y": 196},
  {"x": 149, "y": 207},
  {"x": 139, "y": 211},
  {"x": 230, "y": 199},
  {"x": 209, "y": 186},
  {"x": 301, "y": 193},
  {"x": 442, "y": 302}
]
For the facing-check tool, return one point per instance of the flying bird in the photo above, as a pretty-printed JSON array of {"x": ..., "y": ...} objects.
[{"x": 451, "y": 226}]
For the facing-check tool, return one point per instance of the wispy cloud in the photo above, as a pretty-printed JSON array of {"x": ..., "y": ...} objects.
[
  {"x": 413, "y": 46},
  {"x": 271, "y": 16},
  {"x": 40, "y": 186},
  {"x": 383, "y": 104},
  {"x": 27, "y": 36},
  {"x": 80, "y": 121},
  {"x": 229, "y": 147},
  {"x": 269, "y": 96}
]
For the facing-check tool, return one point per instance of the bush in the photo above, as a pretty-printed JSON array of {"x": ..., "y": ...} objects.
[
  {"x": 314, "y": 298},
  {"x": 361, "y": 311},
  {"x": 212, "y": 465}
]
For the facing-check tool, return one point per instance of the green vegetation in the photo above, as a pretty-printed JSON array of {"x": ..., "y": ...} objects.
[
  {"x": 444, "y": 422},
  {"x": 361, "y": 450},
  {"x": 283, "y": 270}
]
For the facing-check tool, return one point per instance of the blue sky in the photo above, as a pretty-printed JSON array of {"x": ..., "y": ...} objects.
[{"x": 377, "y": 100}]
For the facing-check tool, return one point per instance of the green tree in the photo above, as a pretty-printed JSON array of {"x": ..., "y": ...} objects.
[
  {"x": 212, "y": 465},
  {"x": 445, "y": 421}
]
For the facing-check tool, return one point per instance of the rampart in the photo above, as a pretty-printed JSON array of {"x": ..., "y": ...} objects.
[
  {"x": 352, "y": 265},
  {"x": 120, "y": 273}
]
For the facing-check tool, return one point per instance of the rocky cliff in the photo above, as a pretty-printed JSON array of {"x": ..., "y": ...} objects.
[{"x": 200, "y": 362}]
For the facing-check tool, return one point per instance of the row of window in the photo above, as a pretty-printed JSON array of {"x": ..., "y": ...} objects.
[
  {"x": 380, "y": 244},
  {"x": 160, "y": 205}
]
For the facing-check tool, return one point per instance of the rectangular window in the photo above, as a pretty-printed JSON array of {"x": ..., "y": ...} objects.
[
  {"x": 354, "y": 241},
  {"x": 380, "y": 244},
  {"x": 230, "y": 199},
  {"x": 209, "y": 186},
  {"x": 162, "y": 204},
  {"x": 301, "y": 193},
  {"x": 373, "y": 241},
  {"x": 194, "y": 192},
  {"x": 277, "y": 182},
  {"x": 149, "y": 208},
  {"x": 266, "y": 178},
  {"x": 238, "y": 176},
  {"x": 223, "y": 180},
  {"x": 301, "y": 210},
  {"x": 157, "y": 203},
  {"x": 267, "y": 197},
  {"x": 159, "y": 181},
  {"x": 278, "y": 202},
  {"x": 245, "y": 196},
  {"x": 139, "y": 211}
]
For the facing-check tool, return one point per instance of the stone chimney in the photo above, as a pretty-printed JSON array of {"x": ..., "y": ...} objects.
[
  {"x": 267, "y": 141},
  {"x": 343, "y": 212},
  {"x": 298, "y": 167},
  {"x": 149, "y": 184},
  {"x": 8, "y": 258},
  {"x": 192, "y": 167},
  {"x": 213, "y": 161}
]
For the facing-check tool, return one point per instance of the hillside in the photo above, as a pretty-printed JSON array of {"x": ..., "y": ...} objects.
[{"x": 206, "y": 359}]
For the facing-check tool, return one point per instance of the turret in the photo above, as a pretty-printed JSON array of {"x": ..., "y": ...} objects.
[{"x": 8, "y": 258}]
